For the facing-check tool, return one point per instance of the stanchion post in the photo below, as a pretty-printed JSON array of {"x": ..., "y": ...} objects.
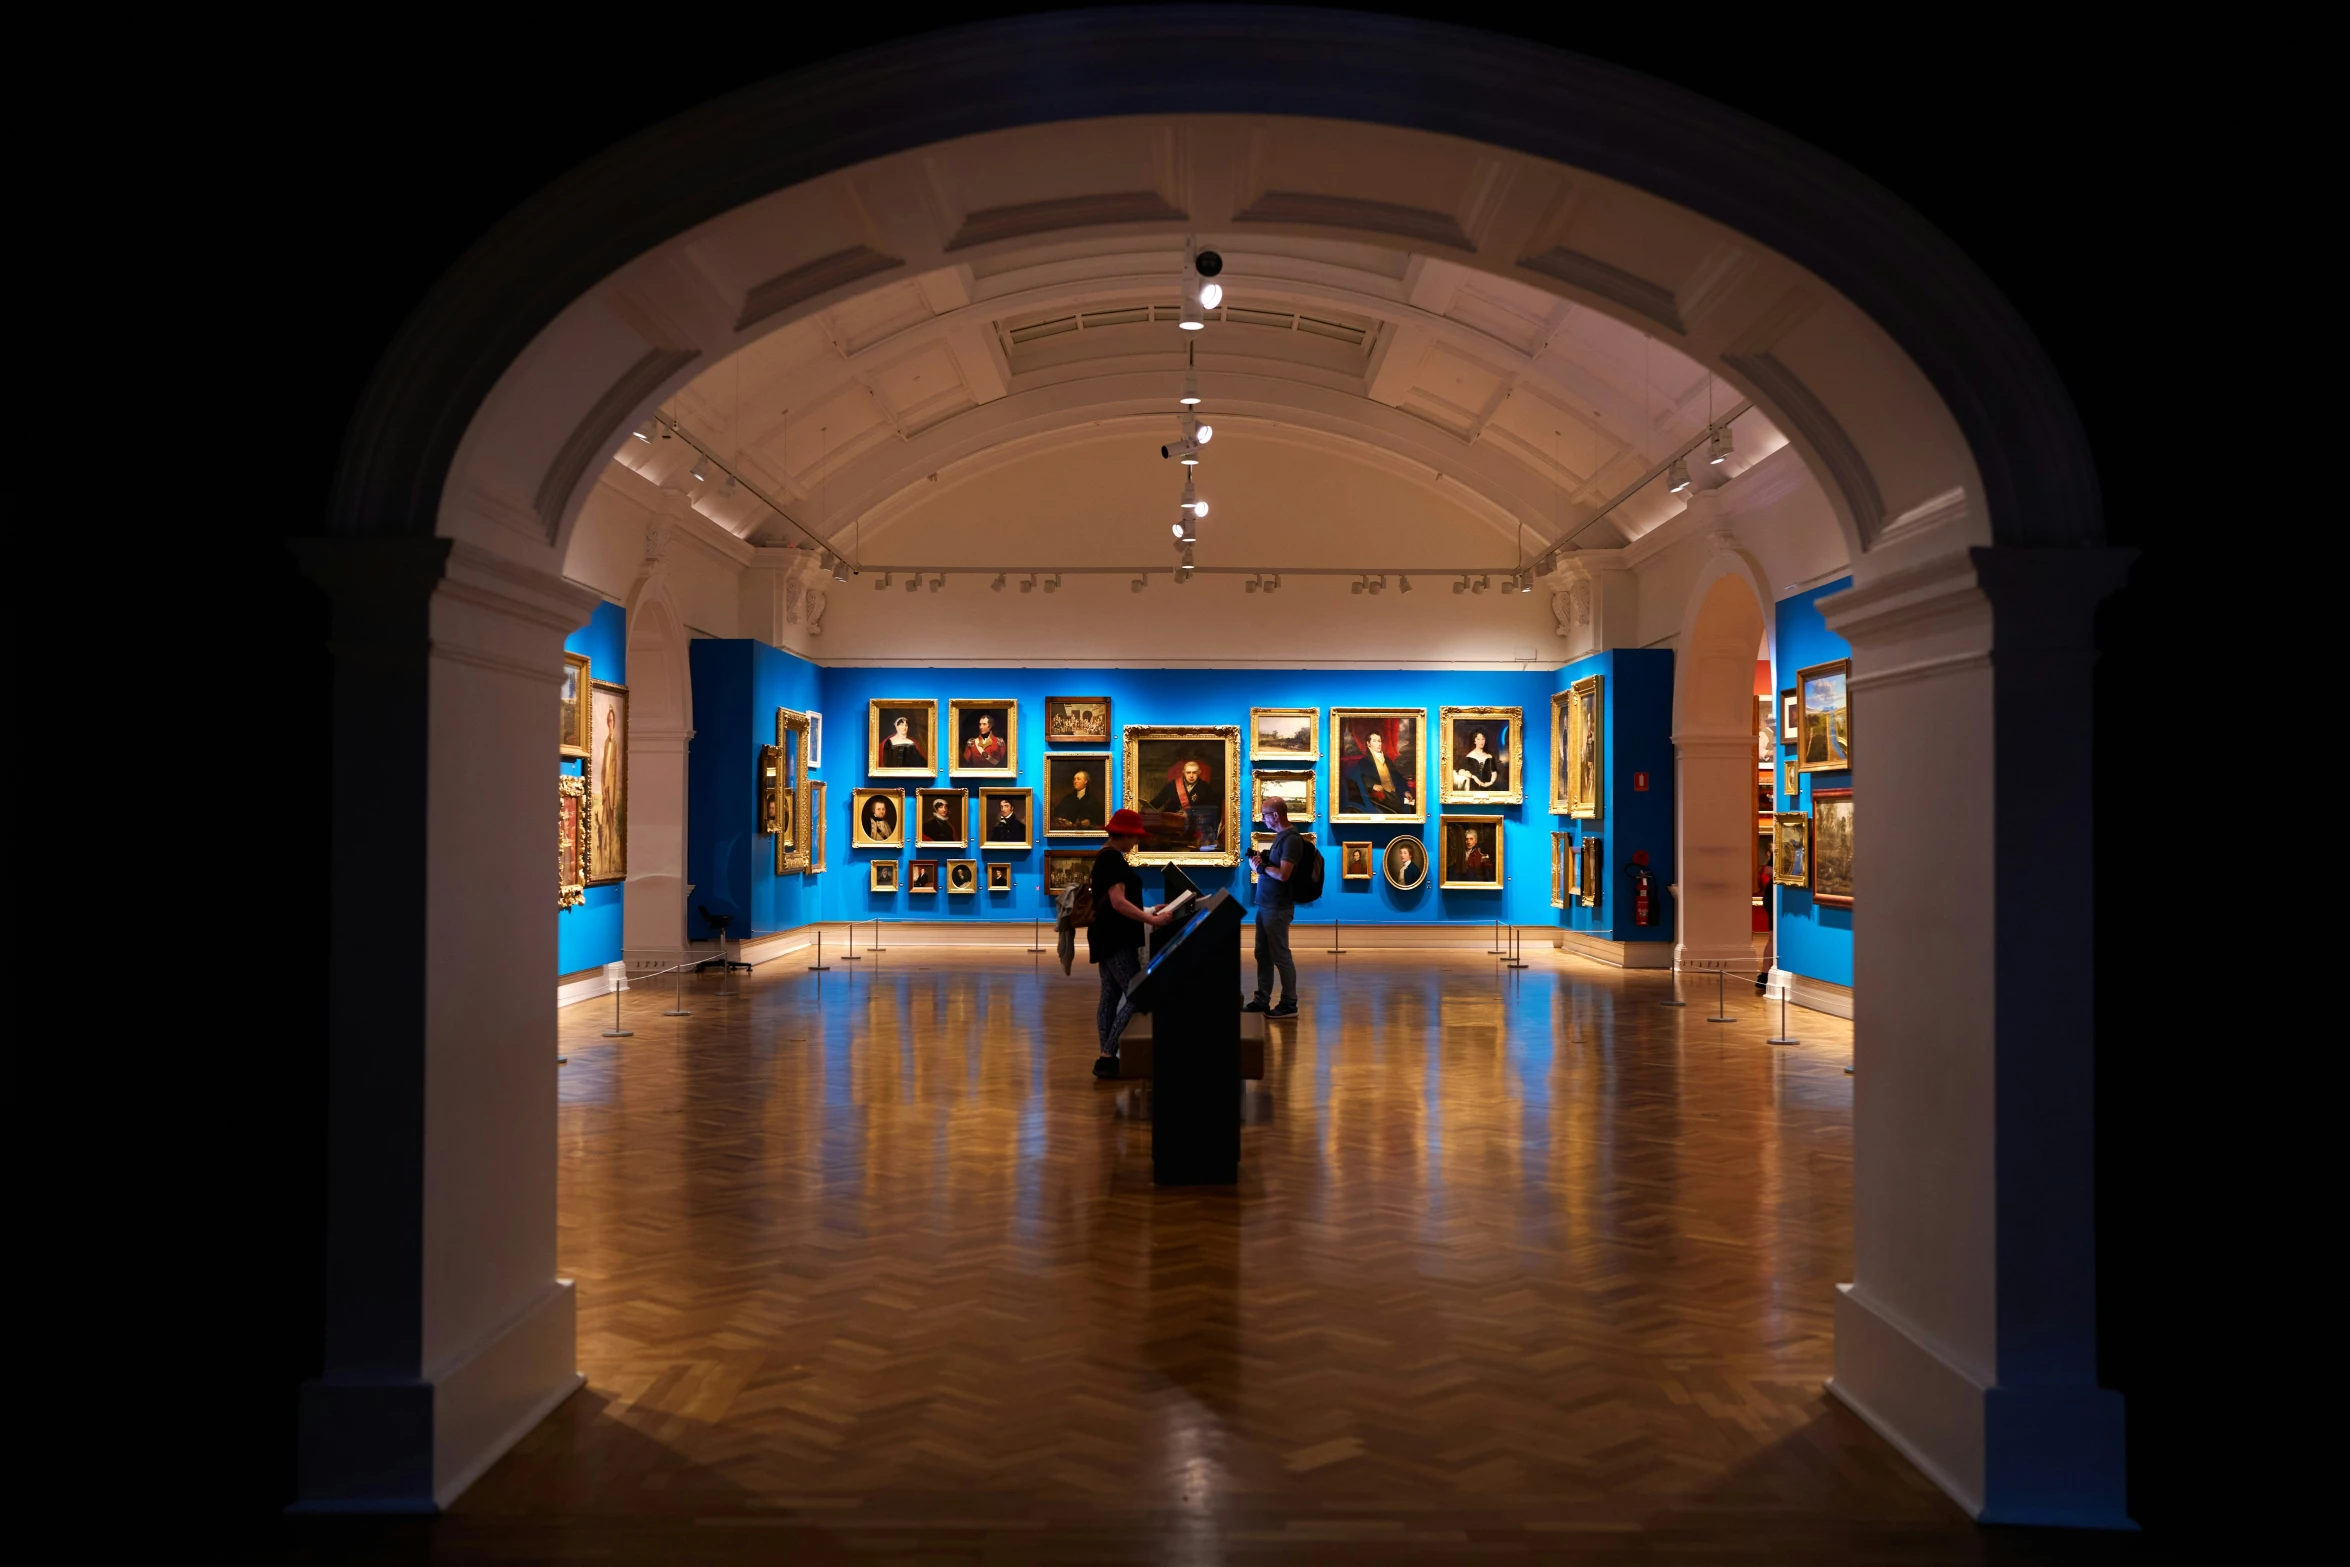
[
  {"x": 877, "y": 946},
  {"x": 1782, "y": 1037},
  {"x": 819, "y": 966},
  {"x": 1517, "y": 949},
  {"x": 1676, "y": 1000},
  {"x": 1721, "y": 998},
  {"x": 1499, "y": 947},
  {"x": 1035, "y": 933},
  {"x": 679, "y": 1009},
  {"x": 616, "y": 1031},
  {"x": 851, "y": 956},
  {"x": 1336, "y": 950}
]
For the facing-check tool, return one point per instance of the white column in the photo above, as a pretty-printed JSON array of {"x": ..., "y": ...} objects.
[
  {"x": 653, "y": 921},
  {"x": 448, "y": 1333},
  {"x": 1968, "y": 1333},
  {"x": 1715, "y": 855}
]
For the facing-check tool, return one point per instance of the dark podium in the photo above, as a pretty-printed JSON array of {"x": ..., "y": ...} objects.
[{"x": 1192, "y": 992}]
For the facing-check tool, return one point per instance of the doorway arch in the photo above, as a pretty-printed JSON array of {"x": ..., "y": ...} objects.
[
  {"x": 1943, "y": 439},
  {"x": 1713, "y": 745}
]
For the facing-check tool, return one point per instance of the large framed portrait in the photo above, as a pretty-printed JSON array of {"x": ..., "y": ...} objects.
[
  {"x": 1831, "y": 847},
  {"x": 1186, "y": 782},
  {"x": 1066, "y": 868},
  {"x": 1824, "y": 718},
  {"x": 877, "y": 819},
  {"x": 1561, "y": 846},
  {"x": 1576, "y": 728},
  {"x": 962, "y": 877},
  {"x": 1295, "y": 790},
  {"x": 942, "y": 818},
  {"x": 1007, "y": 818},
  {"x": 1405, "y": 863},
  {"x": 607, "y": 775},
  {"x": 1790, "y": 849},
  {"x": 1790, "y": 718},
  {"x": 1379, "y": 764},
  {"x": 816, "y": 832},
  {"x": 792, "y": 831},
  {"x": 987, "y": 740},
  {"x": 922, "y": 875},
  {"x": 1484, "y": 761},
  {"x": 1354, "y": 860},
  {"x": 882, "y": 876},
  {"x": 901, "y": 738},
  {"x": 1592, "y": 856},
  {"x": 770, "y": 788},
  {"x": 1472, "y": 852},
  {"x": 999, "y": 877},
  {"x": 1076, "y": 720},
  {"x": 575, "y": 705},
  {"x": 571, "y": 840},
  {"x": 1284, "y": 734},
  {"x": 1077, "y": 794}
]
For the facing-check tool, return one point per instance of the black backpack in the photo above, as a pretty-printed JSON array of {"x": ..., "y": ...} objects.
[{"x": 1305, "y": 883}]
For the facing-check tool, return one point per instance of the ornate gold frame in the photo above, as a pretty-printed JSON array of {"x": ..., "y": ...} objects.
[
  {"x": 1561, "y": 843},
  {"x": 962, "y": 837},
  {"x": 1515, "y": 794},
  {"x": 816, "y": 833},
  {"x": 1444, "y": 852},
  {"x": 1803, "y": 712},
  {"x": 1567, "y": 736},
  {"x": 791, "y": 841},
  {"x": 987, "y": 798},
  {"x": 1256, "y": 792},
  {"x": 1827, "y": 797},
  {"x": 857, "y": 838},
  {"x": 873, "y": 767},
  {"x": 977, "y": 881},
  {"x": 598, "y": 875},
  {"x": 1587, "y": 887},
  {"x": 1336, "y": 756},
  {"x": 1786, "y": 824},
  {"x": 1011, "y": 737},
  {"x": 1348, "y": 847},
  {"x": 570, "y": 894},
  {"x": 875, "y": 871},
  {"x": 1055, "y": 735},
  {"x": 1387, "y": 862},
  {"x": 999, "y": 871},
  {"x": 565, "y": 745},
  {"x": 1313, "y": 750},
  {"x": 1229, "y": 736},
  {"x": 770, "y": 789},
  {"x": 1107, "y": 762}
]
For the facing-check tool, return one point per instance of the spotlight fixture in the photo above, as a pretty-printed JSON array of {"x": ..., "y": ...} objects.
[
  {"x": 1379, "y": 583},
  {"x": 1360, "y": 583},
  {"x": 730, "y": 484},
  {"x": 700, "y": 471},
  {"x": 1185, "y": 451},
  {"x": 1484, "y": 581},
  {"x": 1184, "y": 575},
  {"x": 1029, "y": 584},
  {"x": 1717, "y": 447},
  {"x": 668, "y": 431},
  {"x": 1190, "y": 397},
  {"x": 1199, "y": 294},
  {"x": 840, "y": 571},
  {"x": 1187, "y": 446},
  {"x": 914, "y": 583},
  {"x": 1403, "y": 582},
  {"x": 1525, "y": 583},
  {"x": 998, "y": 584},
  {"x": 883, "y": 583},
  {"x": 1052, "y": 584},
  {"x": 1273, "y": 583},
  {"x": 1141, "y": 582},
  {"x": 644, "y": 432},
  {"x": 1253, "y": 583},
  {"x": 1462, "y": 586},
  {"x": 1677, "y": 476},
  {"x": 936, "y": 583}
]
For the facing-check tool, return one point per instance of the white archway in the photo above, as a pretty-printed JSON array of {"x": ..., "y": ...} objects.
[{"x": 1713, "y": 743}]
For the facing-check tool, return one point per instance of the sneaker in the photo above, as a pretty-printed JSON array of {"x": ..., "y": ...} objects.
[
  {"x": 1288, "y": 1008},
  {"x": 1254, "y": 1004},
  {"x": 1105, "y": 1066}
]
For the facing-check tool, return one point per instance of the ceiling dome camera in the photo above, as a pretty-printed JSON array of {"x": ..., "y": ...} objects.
[{"x": 1207, "y": 263}]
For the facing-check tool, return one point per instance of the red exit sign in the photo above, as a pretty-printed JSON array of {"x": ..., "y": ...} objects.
[{"x": 1640, "y": 783}]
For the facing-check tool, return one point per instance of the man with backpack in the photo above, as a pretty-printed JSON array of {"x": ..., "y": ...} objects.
[{"x": 1289, "y": 872}]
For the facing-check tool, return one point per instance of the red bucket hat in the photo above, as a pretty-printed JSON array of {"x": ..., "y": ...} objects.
[{"x": 1125, "y": 824}]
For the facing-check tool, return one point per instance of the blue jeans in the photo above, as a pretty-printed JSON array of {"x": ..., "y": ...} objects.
[
  {"x": 1273, "y": 952},
  {"x": 1109, "y": 1017}
]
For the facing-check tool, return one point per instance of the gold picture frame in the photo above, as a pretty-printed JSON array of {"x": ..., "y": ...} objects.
[
  {"x": 1574, "y": 887},
  {"x": 571, "y": 840},
  {"x": 1293, "y": 789},
  {"x": 791, "y": 792},
  {"x": 922, "y": 876},
  {"x": 1472, "y": 861},
  {"x": 1587, "y": 879},
  {"x": 962, "y": 878},
  {"x": 572, "y": 695},
  {"x": 1066, "y": 868},
  {"x": 887, "y": 833},
  {"x": 985, "y": 732},
  {"x": 1561, "y": 844},
  {"x": 992, "y": 820},
  {"x": 927, "y": 833},
  {"x": 607, "y": 781},
  {"x": 1404, "y": 862},
  {"x": 1068, "y": 814},
  {"x": 1578, "y": 760},
  {"x": 1284, "y": 734},
  {"x": 917, "y": 756},
  {"x": 1077, "y": 720},
  {"x": 1790, "y": 849},
  {"x": 881, "y": 876},
  {"x": 1824, "y": 717},
  {"x": 1502, "y": 767},
  {"x": 1831, "y": 847},
  {"x": 1357, "y": 794},
  {"x": 816, "y": 828},
  {"x": 1354, "y": 860},
  {"x": 1184, "y": 765},
  {"x": 770, "y": 789},
  {"x": 999, "y": 876}
]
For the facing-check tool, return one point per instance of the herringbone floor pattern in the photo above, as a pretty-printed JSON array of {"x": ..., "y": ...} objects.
[{"x": 1521, "y": 1266}]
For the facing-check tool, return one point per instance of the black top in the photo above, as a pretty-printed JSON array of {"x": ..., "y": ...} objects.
[
  {"x": 1112, "y": 931},
  {"x": 1272, "y": 891}
]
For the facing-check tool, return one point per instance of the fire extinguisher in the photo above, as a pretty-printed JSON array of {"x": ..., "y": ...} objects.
[{"x": 1644, "y": 899}]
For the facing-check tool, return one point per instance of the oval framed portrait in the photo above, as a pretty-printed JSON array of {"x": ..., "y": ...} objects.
[{"x": 1405, "y": 863}]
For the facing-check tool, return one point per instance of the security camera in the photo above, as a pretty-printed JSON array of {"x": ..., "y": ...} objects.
[{"x": 1207, "y": 263}]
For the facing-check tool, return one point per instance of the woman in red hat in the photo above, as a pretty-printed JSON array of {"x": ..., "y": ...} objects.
[{"x": 1114, "y": 940}]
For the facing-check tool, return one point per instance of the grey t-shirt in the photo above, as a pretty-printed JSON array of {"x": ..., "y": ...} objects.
[{"x": 1272, "y": 891}]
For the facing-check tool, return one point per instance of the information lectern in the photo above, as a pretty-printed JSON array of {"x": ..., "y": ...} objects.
[{"x": 1192, "y": 992}]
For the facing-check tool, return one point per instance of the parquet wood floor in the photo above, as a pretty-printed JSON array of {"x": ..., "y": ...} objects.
[{"x": 1521, "y": 1266}]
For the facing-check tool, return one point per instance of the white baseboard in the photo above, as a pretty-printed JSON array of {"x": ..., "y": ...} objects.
[
  {"x": 586, "y": 985},
  {"x": 1622, "y": 954},
  {"x": 1818, "y": 995},
  {"x": 490, "y": 1399}
]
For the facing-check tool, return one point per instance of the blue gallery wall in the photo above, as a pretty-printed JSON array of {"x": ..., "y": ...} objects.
[
  {"x": 1815, "y": 942},
  {"x": 1636, "y": 739},
  {"x": 588, "y": 935},
  {"x": 738, "y": 685}
]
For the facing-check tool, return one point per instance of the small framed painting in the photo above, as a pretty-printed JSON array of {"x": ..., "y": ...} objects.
[
  {"x": 1008, "y": 817},
  {"x": 1824, "y": 718},
  {"x": 1790, "y": 718},
  {"x": 877, "y": 819},
  {"x": 1472, "y": 852},
  {"x": 815, "y": 739},
  {"x": 1587, "y": 889},
  {"x": 575, "y": 705},
  {"x": 999, "y": 877},
  {"x": 1076, "y": 720},
  {"x": 962, "y": 876},
  {"x": 1574, "y": 887},
  {"x": 1560, "y": 844},
  {"x": 1066, "y": 868},
  {"x": 987, "y": 741},
  {"x": 882, "y": 876},
  {"x": 1404, "y": 863},
  {"x": 1787, "y": 778},
  {"x": 1077, "y": 792},
  {"x": 1831, "y": 847},
  {"x": 901, "y": 734},
  {"x": 1284, "y": 734},
  {"x": 571, "y": 840},
  {"x": 815, "y": 828},
  {"x": 922, "y": 875},
  {"x": 1354, "y": 860},
  {"x": 1790, "y": 849},
  {"x": 1295, "y": 790},
  {"x": 942, "y": 818},
  {"x": 770, "y": 788}
]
